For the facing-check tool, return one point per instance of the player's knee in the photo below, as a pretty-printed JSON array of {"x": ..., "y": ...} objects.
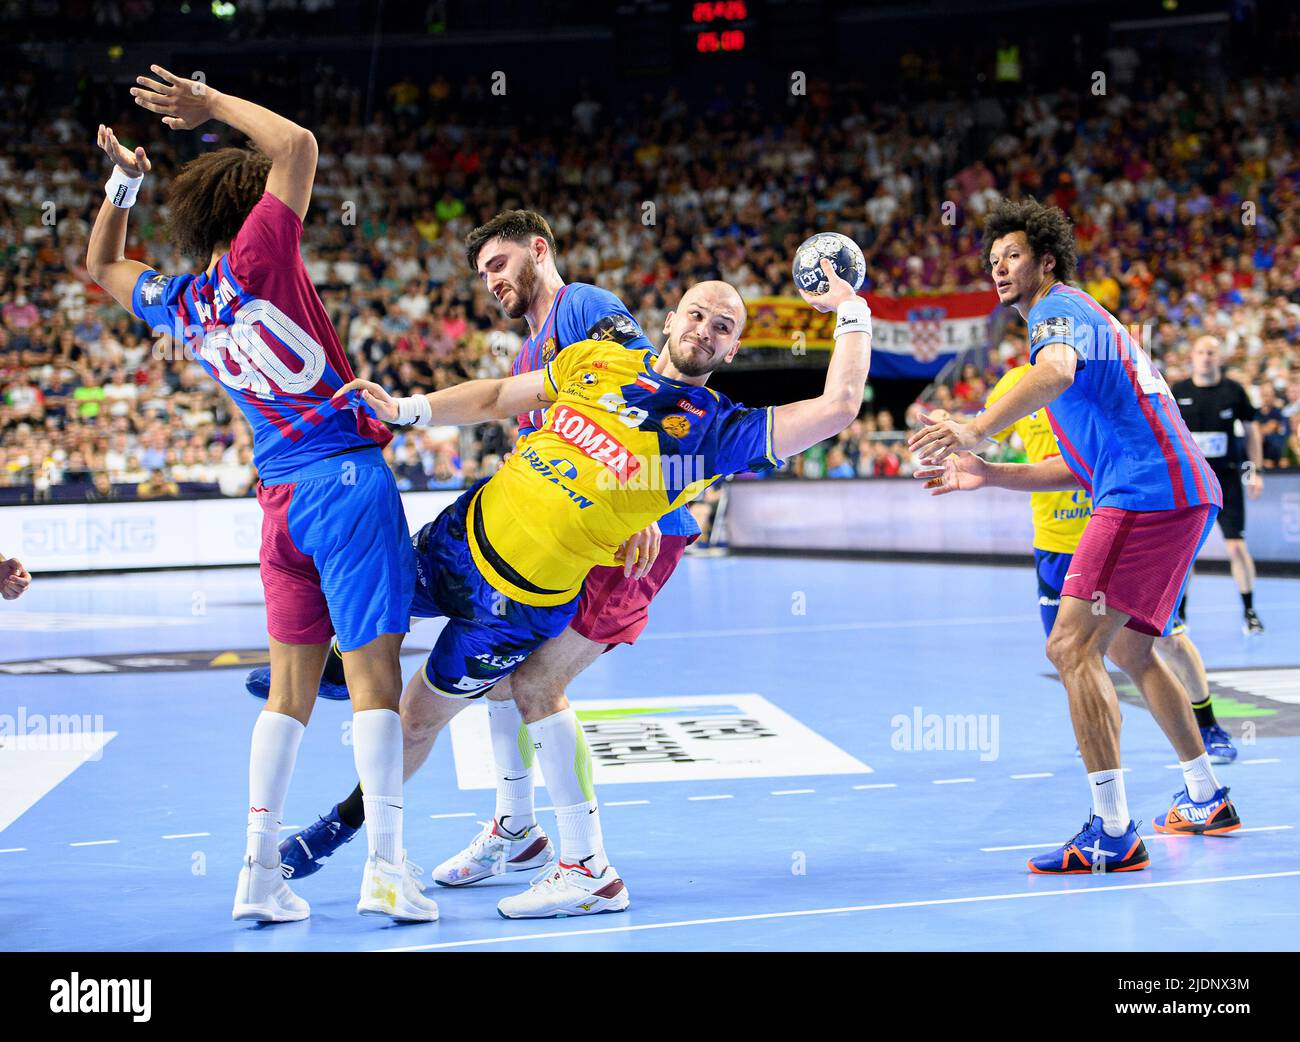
[
  {"x": 1068, "y": 649},
  {"x": 536, "y": 697}
]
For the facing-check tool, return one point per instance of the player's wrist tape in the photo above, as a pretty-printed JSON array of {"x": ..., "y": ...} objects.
[
  {"x": 853, "y": 316},
  {"x": 413, "y": 411},
  {"x": 122, "y": 189}
]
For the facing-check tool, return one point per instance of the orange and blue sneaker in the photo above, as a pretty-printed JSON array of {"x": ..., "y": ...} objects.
[
  {"x": 1092, "y": 851},
  {"x": 1214, "y": 817}
]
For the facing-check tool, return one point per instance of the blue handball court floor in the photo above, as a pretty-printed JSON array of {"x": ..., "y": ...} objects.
[{"x": 799, "y": 754}]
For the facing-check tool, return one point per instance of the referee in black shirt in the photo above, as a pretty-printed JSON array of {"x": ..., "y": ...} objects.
[{"x": 1211, "y": 406}]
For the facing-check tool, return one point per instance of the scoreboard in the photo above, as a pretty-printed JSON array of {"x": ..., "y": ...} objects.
[{"x": 720, "y": 26}]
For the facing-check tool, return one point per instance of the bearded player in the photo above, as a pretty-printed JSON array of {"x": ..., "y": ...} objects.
[
  {"x": 336, "y": 555},
  {"x": 514, "y": 255},
  {"x": 630, "y": 436},
  {"x": 1155, "y": 499}
]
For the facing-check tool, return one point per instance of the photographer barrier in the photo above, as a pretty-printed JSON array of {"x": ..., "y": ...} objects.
[
  {"x": 86, "y": 537},
  {"x": 879, "y": 516}
]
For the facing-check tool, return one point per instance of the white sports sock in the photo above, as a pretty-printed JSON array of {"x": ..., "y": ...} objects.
[
  {"x": 271, "y": 756},
  {"x": 512, "y": 751},
  {"x": 566, "y": 762},
  {"x": 1200, "y": 779},
  {"x": 377, "y": 751},
  {"x": 1109, "y": 801}
]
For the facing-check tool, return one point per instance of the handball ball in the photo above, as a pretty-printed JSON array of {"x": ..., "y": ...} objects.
[{"x": 840, "y": 250}]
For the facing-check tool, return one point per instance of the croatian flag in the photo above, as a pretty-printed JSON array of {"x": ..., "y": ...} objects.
[{"x": 915, "y": 337}]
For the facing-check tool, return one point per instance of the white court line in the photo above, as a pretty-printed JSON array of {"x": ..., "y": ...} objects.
[
  {"x": 627, "y": 803},
  {"x": 1157, "y": 835},
  {"x": 1266, "y": 759},
  {"x": 1035, "y": 774},
  {"x": 13, "y": 850},
  {"x": 95, "y": 843},
  {"x": 290, "y": 828},
  {"x": 878, "y": 785},
  {"x": 950, "y": 781},
  {"x": 1253, "y": 828},
  {"x": 187, "y": 835},
  {"x": 696, "y": 799},
  {"x": 791, "y": 792},
  {"x": 842, "y": 627},
  {"x": 934, "y": 902},
  {"x": 458, "y": 814}
]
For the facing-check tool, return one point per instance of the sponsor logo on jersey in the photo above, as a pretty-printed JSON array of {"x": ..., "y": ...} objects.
[
  {"x": 152, "y": 291},
  {"x": 565, "y": 467},
  {"x": 589, "y": 378},
  {"x": 688, "y": 406},
  {"x": 676, "y": 425},
  {"x": 593, "y": 441}
]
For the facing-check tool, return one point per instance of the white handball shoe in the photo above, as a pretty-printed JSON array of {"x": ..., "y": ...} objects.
[
  {"x": 394, "y": 891},
  {"x": 494, "y": 852},
  {"x": 565, "y": 890},
  {"x": 264, "y": 897}
]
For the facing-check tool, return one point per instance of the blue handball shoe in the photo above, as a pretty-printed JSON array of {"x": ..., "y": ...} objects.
[
  {"x": 1213, "y": 817},
  {"x": 304, "y": 853},
  {"x": 1094, "y": 851},
  {"x": 258, "y": 683},
  {"x": 1218, "y": 744}
]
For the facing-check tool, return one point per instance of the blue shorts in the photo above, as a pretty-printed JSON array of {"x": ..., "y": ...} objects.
[
  {"x": 336, "y": 552},
  {"x": 1050, "y": 568},
  {"x": 487, "y": 634}
]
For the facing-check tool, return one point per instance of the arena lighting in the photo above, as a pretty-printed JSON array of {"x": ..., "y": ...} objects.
[{"x": 223, "y": 10}]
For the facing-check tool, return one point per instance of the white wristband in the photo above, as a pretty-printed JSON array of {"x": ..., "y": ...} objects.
[
  {"x": 854, "y": 316},
  {"x": 414, "y": 411},
  {"x": 122, "y": 189}
]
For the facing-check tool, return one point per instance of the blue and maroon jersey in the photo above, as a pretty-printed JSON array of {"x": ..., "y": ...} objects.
[
  {"x": 1119, "y": 428},
  {"x": 262, "y": 332},
  {"x": 581, "y": 312}
]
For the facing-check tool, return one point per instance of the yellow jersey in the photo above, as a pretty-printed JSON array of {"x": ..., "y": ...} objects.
[
  {"x": 621, "y": 446},
  {"x": 1059, "y": 517}
]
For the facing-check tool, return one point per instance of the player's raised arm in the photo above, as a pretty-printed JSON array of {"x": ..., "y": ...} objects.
[
  {"x": 800, "y": 425},
  {"x": 185, "y": 104},
  {"x": 474, "y": 401},
  {"x": 106, "y": 260}
]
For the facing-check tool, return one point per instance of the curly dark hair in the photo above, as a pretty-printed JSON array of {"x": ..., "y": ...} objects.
[
  {"x": 513, "y": 226},
  {"x": 211, "y": 197},
  {"x": 1047, "y": 228}
]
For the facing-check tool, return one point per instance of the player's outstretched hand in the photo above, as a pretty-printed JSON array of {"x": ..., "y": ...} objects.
[
  {"x": 183, "y": 104},
  {"x": 1254, "y": 482},
  {"x": 941, "y": 437},
  {"x": 837, "y": 292},
  {"x": 638, "y": 553},
  {"x": 374, "y": 396},
  {"x": 133, "y": 164},
  {"x": 14, "y": 579},
  {"x": 963, "y": 473}
]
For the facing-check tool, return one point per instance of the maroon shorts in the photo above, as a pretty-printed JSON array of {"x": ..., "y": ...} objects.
[
  {"x": 1138, "y": 561},
  {"x": 614, "y": 610}
]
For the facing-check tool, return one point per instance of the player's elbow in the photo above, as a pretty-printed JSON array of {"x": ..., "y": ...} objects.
[{"x": 841, "y": 409}]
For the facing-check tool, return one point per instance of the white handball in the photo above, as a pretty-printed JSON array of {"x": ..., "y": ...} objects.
[{"x": 840, "y": 250}]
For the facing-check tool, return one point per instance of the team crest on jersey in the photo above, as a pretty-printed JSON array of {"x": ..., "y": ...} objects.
[
  {"x": 548, "y": 350},
  {"x": 676, "y": 425},
  {"x": 619, "y": 328},
  {"x": 1051, "y": 329}
]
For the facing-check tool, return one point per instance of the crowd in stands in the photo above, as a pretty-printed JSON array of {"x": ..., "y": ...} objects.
[{"x": 1185, "y": 203}]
